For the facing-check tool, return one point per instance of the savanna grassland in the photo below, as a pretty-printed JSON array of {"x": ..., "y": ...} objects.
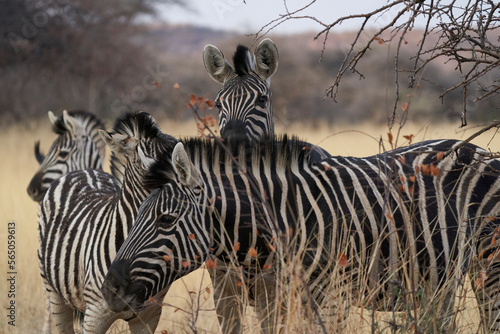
[{"x": 183, "y": 314}]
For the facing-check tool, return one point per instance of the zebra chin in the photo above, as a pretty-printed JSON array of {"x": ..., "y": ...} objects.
[
  {"x": 120, "y": 292},
  {"x": 36, "y": 189}
]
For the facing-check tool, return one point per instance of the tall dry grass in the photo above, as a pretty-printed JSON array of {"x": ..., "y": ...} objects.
[{"x": 190, "y": 306}]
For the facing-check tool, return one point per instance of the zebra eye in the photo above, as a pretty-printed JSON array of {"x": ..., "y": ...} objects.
[
  {"x": 262, "y": 101},
  {"x": 63, "y": 154},
  {"x": 218, "y": 105},
  {"x": 166, "y": 221}
]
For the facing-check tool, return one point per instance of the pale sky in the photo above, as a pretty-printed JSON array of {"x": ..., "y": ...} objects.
[{"x": 250, "y": 17}]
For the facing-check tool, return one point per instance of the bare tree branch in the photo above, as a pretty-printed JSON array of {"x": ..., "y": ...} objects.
[{"x": 464, "y": 33}]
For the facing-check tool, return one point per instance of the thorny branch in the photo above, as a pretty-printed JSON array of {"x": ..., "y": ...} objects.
[{"x": 463, "y": 34}]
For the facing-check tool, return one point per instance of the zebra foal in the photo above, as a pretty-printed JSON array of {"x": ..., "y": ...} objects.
[
  {"x": 413, "y": 202},
  {"x": 85, "y": 216}
]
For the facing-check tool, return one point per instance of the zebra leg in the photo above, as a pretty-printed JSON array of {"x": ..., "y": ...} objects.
[
  {"x": 146, "y": 321},
  {"x": 62, "y": 313},
  {"x": 47, "y": 323},
  {"x": 98, "y": 319},
  {"x": 229, "y": 307},
  {"x": 264, "y": 292}
]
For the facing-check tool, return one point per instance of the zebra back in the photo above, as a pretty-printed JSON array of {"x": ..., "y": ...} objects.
[{"x": 77, "y": 147}]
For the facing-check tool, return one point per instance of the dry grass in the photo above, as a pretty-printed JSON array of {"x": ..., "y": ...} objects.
[{"x": 19, "y": 165}]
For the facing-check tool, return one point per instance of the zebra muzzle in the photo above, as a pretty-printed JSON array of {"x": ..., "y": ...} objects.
[
  {"x": 35, "y": 189},
  {"x": 120, "y": 293}
]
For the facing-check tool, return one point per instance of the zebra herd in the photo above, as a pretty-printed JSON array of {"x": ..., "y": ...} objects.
[{"x": 110, "y": 243}]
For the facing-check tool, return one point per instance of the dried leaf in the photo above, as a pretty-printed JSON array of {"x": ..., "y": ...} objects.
[
  {"x": 252, "y": 252},
  {"x": 192, "y": 99},
  {"x": 236, "y": 246},
  {"x": 192, "y": 236},
  {"x": 176, "y": 85},
  {"x": 266, "y": 266},
  {"x": 439, "y": 156},
  {"x": 409, "y": 138},
  {"x": 167, "y": 258},
  {"x": 185, "y": 264},
  {"x": 434, "y": 170},
  {"x": 342, "y": 260},
  {"x": 390, "y": 137},
  {"x": 426, "y": 170},
  {"x": 211, "y": 264},
  {"x": 411, "y": 178},
  {"x": 404, "y": 106}
]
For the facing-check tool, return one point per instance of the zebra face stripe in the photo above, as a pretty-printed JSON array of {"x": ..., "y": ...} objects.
[
  {"x": 167, "y": 241},
  {"x": 247, "y": 101}
]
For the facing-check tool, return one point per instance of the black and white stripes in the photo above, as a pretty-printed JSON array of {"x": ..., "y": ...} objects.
[
  {"x": 415, "y": 203},
  {"x": 85, "y": 216},
  {"x": 78, "y": 146}
]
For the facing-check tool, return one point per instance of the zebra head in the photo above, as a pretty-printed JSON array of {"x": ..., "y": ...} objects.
[
  {"x": 244, "y": 102},
  {"x": 135, "y": 136},
  {"x": 77, "y": 147},
  {"x": 168, "y": 238}
]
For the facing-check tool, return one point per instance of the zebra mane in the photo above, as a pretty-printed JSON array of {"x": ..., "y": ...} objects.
[
  {"x": 143, "y": 127},
  {"x": 88, "y": 120},
  {"x": 243, "y": 61},
  {"x": 281, "y": 151},
  {"x": 140, "y": 125}
]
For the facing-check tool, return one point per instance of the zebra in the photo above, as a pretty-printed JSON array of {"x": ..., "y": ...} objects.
[
  {"x": 431, "y": 199},
  {"x": 77, "y": 147},
  {"x": 85, "y": 216},
  {"x": 244, "y": 101}
]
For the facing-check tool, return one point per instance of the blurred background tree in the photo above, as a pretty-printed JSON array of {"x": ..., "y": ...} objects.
[{"x": 79, "y": 53}]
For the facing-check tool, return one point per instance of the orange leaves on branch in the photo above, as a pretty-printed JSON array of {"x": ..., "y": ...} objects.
[
  {"x": 185, "y": 263},
  {"x": 439, "y": 156},
  {"x": 390, "y": 137},
  {"x": 404, "y": 106},
  {"x": 192, "y": 236},
  {"x": 176, "y": 86},
  {"x": 266, "y": 266},
  {"x": 167, "y": 258}
]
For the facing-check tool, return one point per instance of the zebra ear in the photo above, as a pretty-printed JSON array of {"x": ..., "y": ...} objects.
[
  {"x": 187, "y": 172},
  {"x": 118, "y": 143},
  {"x": 40, "y": 157},
  {"x": 216, "y": 65},
  {"x": 73, "y": 125},
  {"x": 266, "y": 57},
  {"x": 146, "y": 161},
  {"x": 52, "y": 118}
]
